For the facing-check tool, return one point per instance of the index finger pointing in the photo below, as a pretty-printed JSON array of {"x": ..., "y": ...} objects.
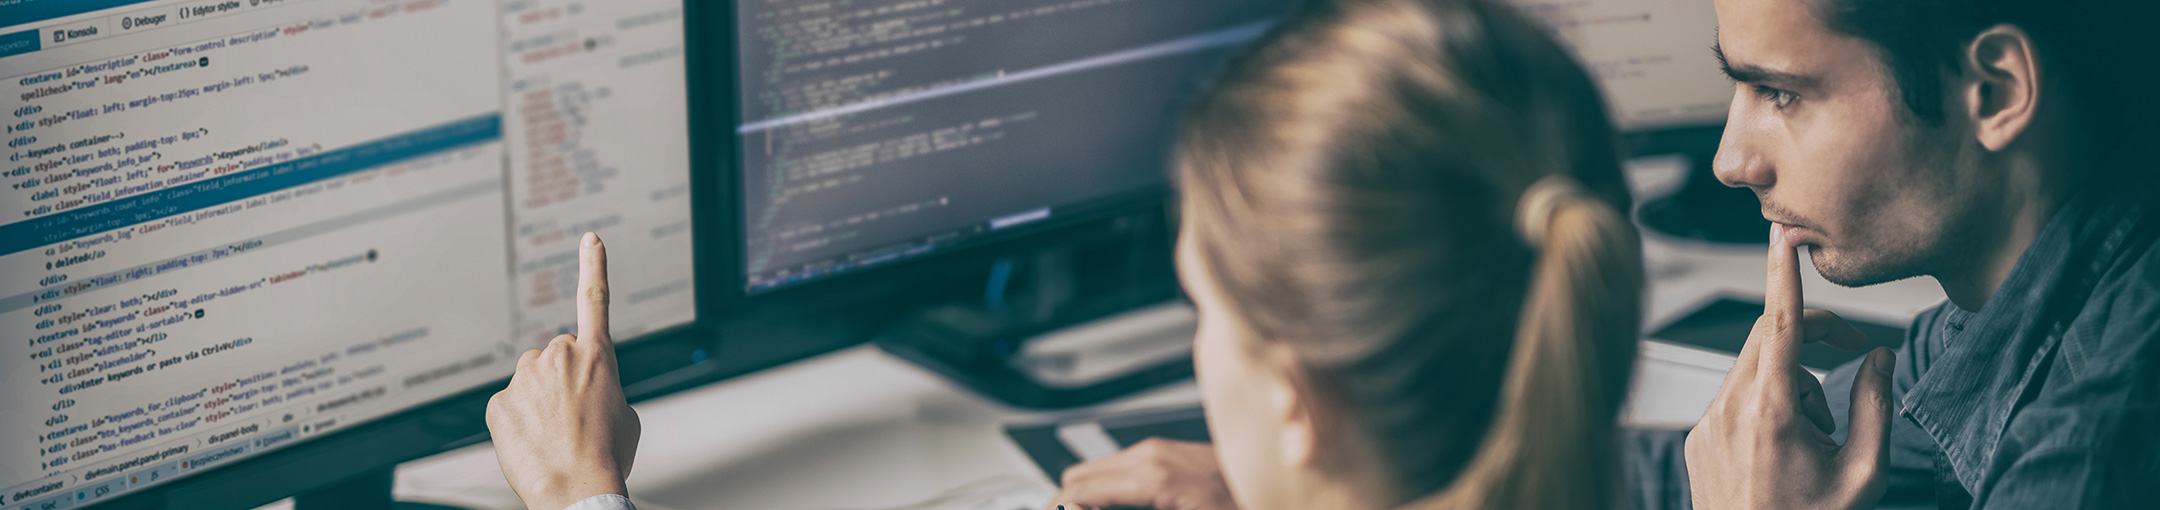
[
  {"x": 1782, "y": 302},
  {"x": 592, "y": 291}
]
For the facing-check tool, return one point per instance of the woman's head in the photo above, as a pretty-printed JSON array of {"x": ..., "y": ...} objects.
[{"x": 1379, "y": 323}]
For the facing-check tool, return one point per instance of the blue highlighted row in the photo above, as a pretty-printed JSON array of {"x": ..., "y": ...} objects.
[{"x": 121, "y": 213}]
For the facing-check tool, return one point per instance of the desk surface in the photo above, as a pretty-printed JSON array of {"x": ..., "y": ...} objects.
[{"x": 858, "y": 429}]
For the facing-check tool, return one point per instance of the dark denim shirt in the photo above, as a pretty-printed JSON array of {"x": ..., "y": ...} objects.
[{"x": 2047, "y": 397}]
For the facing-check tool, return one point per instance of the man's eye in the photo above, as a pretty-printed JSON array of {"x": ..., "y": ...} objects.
[{"x": 1777, "y": 98}]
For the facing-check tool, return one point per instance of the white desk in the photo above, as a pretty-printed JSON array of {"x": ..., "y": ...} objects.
[{"x": 858, "y": 429}]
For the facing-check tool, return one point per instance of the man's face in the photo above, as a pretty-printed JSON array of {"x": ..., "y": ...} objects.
[{"x": 1819, "y": 131}]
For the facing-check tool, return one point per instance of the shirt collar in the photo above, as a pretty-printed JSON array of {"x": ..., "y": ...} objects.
[{"x": 1965, "y": 399}]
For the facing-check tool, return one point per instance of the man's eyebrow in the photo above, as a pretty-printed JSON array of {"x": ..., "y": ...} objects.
[{"x": 1754, "y": 75}]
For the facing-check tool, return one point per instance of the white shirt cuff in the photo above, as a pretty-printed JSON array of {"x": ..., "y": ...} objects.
[{"x": 603, "y": 502}]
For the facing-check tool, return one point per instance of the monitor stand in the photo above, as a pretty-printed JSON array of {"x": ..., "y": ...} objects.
[
  {"x": 370, "y": 491},
  {"x": 1060, "y": 327},
  {"x": 1046, "y": 366},
  {"x": 1703, "y": 209}
]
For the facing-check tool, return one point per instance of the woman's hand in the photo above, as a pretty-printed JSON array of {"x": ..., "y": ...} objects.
[
  {"x": 562, "y": 430},
  {"x": 1157, "y": 473}
]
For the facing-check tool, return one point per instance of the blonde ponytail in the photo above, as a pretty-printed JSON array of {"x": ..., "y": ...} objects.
[
  {"x": 1351, "y": 190},
  {"x": 1553, "y": 443}
]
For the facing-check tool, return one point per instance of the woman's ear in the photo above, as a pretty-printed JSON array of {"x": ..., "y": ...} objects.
[{"x": 1291, "y": 399}]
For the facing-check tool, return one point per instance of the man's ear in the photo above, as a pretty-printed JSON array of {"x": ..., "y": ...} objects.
[{"x": 2002, "y": 85}]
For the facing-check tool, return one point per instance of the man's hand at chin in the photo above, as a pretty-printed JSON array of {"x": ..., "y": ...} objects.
[{"x": 1765, "y": 443}]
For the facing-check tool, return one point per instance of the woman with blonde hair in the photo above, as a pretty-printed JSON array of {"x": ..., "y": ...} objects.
[
  {"x": 1402, "y": 228},
  {"x": 1401, "y": 225}
]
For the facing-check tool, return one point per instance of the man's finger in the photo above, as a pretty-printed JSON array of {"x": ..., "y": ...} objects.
[
  {"x": 1826, "y": 327},
  {"x": 1870, "y": 427},
  {"x": 1746, "y": 362},
  {"x": 559, "y": 344},
  {"x": 1781, "y": 303},
  {"x": 526, "y": 358},
  {"x": 592, "y": 291}
]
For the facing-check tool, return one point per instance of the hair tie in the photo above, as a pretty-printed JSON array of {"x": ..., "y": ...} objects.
[{"x": 1533, "y": 212}]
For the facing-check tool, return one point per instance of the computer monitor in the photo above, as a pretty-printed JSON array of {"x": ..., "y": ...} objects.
[
  {"x": 877, "y": 132},
  {"x": 1651, "y": 57},
  {"x": 237, "y": 229},
  {"x": 929, "y": 135},
  {"x": 1662, "y": 82}
]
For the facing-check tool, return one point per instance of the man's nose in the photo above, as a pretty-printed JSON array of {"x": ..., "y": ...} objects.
[{"x": 1738, "y": 163}]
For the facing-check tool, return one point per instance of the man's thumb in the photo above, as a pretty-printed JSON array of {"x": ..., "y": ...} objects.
[{"x": 1867, "y": 435}]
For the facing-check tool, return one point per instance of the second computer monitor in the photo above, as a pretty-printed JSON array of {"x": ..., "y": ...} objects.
[
  {"x": 1652, "y": 58},
  {"x": 873, "y": 132},
  {"x": 878, "y": 131}
]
